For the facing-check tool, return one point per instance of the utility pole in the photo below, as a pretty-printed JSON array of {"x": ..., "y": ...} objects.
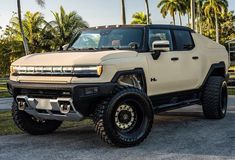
[{"x": 193, "y": 14}]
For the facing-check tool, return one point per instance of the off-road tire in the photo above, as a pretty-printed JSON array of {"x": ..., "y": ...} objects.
[
  {"x": 214, "y": 98},
  {"x": 104, "y": 114},
  {"x": 31, "y": 125}
]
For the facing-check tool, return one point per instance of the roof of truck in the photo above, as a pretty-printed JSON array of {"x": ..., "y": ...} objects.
[{"x": 160, "y": 26}]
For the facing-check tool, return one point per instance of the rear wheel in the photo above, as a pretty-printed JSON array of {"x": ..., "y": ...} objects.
[
  {"x": 214, "y": 98},
  {"x": 32, "y": 125},
  {"x": 125, "y": 119}
]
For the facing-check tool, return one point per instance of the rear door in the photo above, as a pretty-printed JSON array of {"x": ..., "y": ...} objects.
[{"x": 189, "y": 60}]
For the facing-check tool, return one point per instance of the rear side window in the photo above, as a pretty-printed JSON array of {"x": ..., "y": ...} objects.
[{"x": 184, "y": 41}]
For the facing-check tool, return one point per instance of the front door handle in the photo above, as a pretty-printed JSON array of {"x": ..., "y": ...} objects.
[
  {"x": 195, "y": 57},
  {"x": 174, "y": 59}
]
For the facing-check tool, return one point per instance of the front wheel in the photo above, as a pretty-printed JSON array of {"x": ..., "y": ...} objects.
[
  {"x": 32, "y": 125},
  {"x": 214, "y": 98},
  {"x": 125, "y": 119}
]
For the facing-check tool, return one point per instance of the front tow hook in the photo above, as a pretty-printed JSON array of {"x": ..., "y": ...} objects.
[{"x": 21, "y": 105}]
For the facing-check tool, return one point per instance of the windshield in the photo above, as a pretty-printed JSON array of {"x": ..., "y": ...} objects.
[{"x": 127, "y": 38}]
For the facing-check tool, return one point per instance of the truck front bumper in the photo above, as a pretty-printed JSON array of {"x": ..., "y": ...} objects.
[{"x": 46, "y": 100}]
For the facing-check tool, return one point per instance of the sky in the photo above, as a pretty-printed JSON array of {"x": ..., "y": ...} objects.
[{"x": 95, "y": 12}]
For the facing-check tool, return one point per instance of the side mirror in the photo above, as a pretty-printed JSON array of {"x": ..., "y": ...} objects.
[
  {"x": 158, "y": 47},
  {"x": 161, "y": 46},
  {"x": 65, "y": 47},
  {"x": 133, "y": 45}
]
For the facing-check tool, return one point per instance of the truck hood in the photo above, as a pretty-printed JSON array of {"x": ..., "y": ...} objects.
[{"x": 72, "y": 58}]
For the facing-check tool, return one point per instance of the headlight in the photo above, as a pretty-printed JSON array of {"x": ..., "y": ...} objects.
[
  {"x": 11, "y": 70},
  {"x": 79, "y": 71},
  {"x": 18, "y": 70},
  {"x": 96, "y": 71}
]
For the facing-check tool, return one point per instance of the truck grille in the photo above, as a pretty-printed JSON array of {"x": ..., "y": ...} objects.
[{"x": 44, "y": 93}]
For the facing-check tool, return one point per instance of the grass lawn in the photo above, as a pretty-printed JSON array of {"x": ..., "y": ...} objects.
[
  {"x": 7, "y": 126},
  {"x": 5, "y": 94},
  {"x": 231, "y": 91},
  {"x": 3, "y": 81}
]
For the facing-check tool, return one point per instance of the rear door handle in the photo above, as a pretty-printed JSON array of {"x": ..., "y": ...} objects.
[
  {"x": 195, "y": 57},
  {"x": 175, "y": 59}
]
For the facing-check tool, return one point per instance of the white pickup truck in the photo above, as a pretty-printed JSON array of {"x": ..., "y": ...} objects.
[{"x": 120, "y": 76}]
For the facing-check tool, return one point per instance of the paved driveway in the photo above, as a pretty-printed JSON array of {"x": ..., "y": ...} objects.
[{"x": 182, "y": 134}]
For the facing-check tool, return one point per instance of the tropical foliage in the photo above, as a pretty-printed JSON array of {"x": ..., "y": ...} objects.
[
  {"x": 172, "y": 7},
  {"x": 212, "y": 9},
  {"x": 64, "y": 27},
  {"x": 26, "y": 47},
  {"x": 212, "y": 16},
  {"x": 41, "y": 36},
  {"x": 32, "y": 25},
  {"x": 140, "y": 18}
]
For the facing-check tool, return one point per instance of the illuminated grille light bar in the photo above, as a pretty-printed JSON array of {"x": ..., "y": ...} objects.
[{"x": 91, "y": 70}]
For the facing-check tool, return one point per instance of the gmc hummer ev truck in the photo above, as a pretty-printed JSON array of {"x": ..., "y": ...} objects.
[{"x": 120, "y": 76}]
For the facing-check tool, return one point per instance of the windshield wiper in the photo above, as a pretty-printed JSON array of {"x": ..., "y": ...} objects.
[
  {"x": 110, "y": 48},
  {"x": 73, "y": 49},
  {"x": 80, "y": 49},
  {"x": 94, "y": 49}
]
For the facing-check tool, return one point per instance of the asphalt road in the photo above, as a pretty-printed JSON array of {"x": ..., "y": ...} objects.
[
  {"x": 5, "y": 103},
  {"x": 182, "y": 134}
]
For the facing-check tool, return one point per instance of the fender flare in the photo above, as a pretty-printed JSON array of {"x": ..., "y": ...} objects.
[
  {"x": 217, "y": 69},
  {"x": 136, "y": 71}
]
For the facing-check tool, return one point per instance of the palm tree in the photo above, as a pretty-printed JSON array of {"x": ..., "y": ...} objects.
[
  {"x": 140, "y": 18},
  {"x": 199, "y": 14},
  {"x": 182, "y": 9},
  {"x": 188, "y": 9},
  {"x": 32, "y": 27},
  {"x": 26, "y": 47},
  {"x": 192, "y": 7},
  {"x": 64, "y": 27},
  {"x": 147, "y": 11},
  {"x": 212, "y": 9},
  {"x": 123, "y": 11},
  {"x": 171, "y": 6}
]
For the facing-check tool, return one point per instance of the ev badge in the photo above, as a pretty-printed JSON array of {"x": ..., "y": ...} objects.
[{"x": 153, "y": 79}]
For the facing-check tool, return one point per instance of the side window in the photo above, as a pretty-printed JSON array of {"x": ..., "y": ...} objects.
[
  {"x": 159, "y": 35},
  {"x": 184, "y": 41}
]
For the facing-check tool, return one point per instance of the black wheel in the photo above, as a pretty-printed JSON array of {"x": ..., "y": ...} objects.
[
  {"x": 125, "y": 119},
  {"x": 214, "y": 98},
  {"x": 32, "y": 125}
]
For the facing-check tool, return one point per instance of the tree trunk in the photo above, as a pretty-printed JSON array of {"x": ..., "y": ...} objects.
[
  {"x": 147, "y": 11},
  {"x": 173, "y": 18},
  {"x": 189, "y": 19},
  {"x": 217, "y": 28},
  {"x": 199, "y": 17},
  {"x": 123, "y": 10},
  {"x": 180, "y": 18},
  {"x": 193, "y": 14},
  {"x": 26, "y": 47}
]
